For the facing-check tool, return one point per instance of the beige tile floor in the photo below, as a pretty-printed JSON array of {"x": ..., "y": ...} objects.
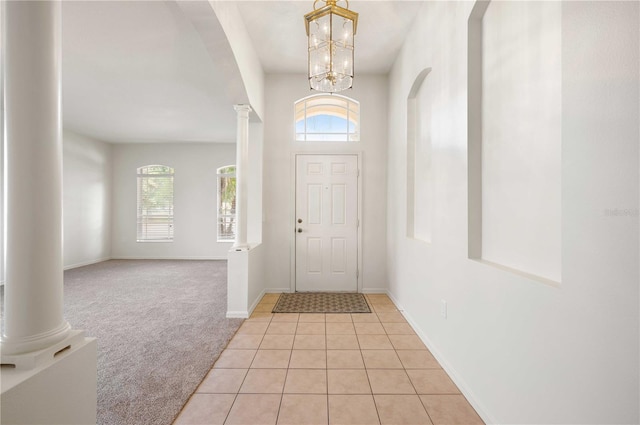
[{"x": 342, "y": 369}]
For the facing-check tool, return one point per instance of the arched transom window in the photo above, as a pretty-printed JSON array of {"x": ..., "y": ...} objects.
[{"x": 327, "y": 118}]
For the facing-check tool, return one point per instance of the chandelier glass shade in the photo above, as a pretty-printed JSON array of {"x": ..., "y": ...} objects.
[{"x": 330, "y": 30}]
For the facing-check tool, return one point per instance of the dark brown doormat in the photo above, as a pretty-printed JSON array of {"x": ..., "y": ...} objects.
[{"x": 321, "y": 302}]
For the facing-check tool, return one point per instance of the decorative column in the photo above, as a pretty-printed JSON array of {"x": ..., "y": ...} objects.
[
  {"x": 33, "y": 303},
  {"x": 242, "y": 161}
]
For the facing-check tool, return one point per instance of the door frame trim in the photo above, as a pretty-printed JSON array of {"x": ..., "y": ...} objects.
[{"x": 292, "y": 214}]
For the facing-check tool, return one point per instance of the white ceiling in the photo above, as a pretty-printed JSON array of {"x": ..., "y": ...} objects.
[
  {"x": 138, "y": 71},
  {"x": 278, "y": 33}
]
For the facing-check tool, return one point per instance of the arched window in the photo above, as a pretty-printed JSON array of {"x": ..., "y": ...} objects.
[
  {"x": 327, "y": 118},
  {"x": 155, "y": 203},
  {"x": 227, "y": 203}
]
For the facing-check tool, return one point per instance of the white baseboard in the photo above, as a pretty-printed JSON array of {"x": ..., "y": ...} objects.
[
  {"x": 237, "y": 314},
  {"x": 86, "y": 263},
  {"x": 277, "y": 290},
  {"x": 455, "y": 376},
  {"x": 167, "y": 258},
  {"x": 374, "y": 291}
]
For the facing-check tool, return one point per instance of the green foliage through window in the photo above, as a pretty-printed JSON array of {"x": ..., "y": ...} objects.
[{"x": 227, "y": 203}]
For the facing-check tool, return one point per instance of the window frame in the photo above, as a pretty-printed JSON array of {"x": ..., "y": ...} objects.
[
  {"x": 220, "y": 174},
  {"x": 333, "y": 107},
  {"x": 142, "y": 173}
]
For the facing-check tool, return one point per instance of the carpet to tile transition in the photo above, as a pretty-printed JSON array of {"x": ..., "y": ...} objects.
[
  {"x": 321, "y": 302},
  {"x": 160, "y": 325}
]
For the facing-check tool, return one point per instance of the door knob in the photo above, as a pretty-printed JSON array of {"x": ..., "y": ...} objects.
[
  {"x": 299, "y": 230},
  {"x": 299, "y": 220}
]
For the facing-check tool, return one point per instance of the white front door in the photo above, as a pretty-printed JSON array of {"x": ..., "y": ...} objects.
[{"x": 327, "y": 223}]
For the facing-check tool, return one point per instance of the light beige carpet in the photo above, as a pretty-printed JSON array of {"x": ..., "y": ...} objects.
[{"x": 160, "y": 326}]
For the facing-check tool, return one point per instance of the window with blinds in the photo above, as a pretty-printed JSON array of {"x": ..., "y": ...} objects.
[
  {"x": 227, "y": 203},
  {"x": 155, "y": 203}
]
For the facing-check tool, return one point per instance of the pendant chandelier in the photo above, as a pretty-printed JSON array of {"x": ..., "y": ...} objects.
[{"x": 330, "y": 30}]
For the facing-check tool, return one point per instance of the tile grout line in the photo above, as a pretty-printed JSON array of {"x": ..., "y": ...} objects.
[
  {"x": 288, "y": 368},
  {"x": 245, "y": 376},
  {"x": 326, "y": 370},
  {"x": 414, "y": 389},
  {"x": 326, "y": 349},
  {"x": 375, "y": 405}
]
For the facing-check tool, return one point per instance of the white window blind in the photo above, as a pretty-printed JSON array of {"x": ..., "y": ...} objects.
[
  {"x": 227, "y": 203},
  {"x": 155, "y": 203}
]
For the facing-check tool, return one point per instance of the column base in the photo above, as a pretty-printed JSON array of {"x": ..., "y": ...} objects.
[
  {"x": 33, "y": 359},
  {"x": 61, "y": 389},
  {"x": 19, "y": 346}
]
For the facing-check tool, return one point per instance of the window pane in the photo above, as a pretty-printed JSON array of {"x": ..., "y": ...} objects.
[
  {"x": 231, "y": 169},
  {"x": 226, "y": 203},
  {"x": 226, "y": 228},
  {"x": 326, "y": 124},
  {"x": 155, "y": 203},
  {"x": 327, "y": 118}
]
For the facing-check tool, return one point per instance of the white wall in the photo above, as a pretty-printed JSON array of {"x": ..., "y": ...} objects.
[
  {"x": 521, "y": 136},
  {"x": 245, "y": 55},
  {"x": 279, "y": 148},
  {"x": 422, "y": 163},
  {"x": 87, "y": 192},
  {"x": 1, "y": 176},
  {"x": 87, "y": 167},
  {"x": 254, "y": 207},
  {"x": 245, "y": 282},
  {"x": 523, "y": 351},
  {"x": 1, "y": 152},
  {"x": 195, "y": 199}
]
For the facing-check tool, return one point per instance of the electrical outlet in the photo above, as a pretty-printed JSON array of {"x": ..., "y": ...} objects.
[{"x": 443, "y": 308}]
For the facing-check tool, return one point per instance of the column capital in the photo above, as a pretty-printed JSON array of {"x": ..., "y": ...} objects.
[{"x": 242, "y": 108}]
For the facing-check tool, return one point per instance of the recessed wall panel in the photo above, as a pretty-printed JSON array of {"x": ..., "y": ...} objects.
[
  {"x": 424, "y": 173},
  {"x": 521, "y": 137},
  {"x": 420, "y": 173}
]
